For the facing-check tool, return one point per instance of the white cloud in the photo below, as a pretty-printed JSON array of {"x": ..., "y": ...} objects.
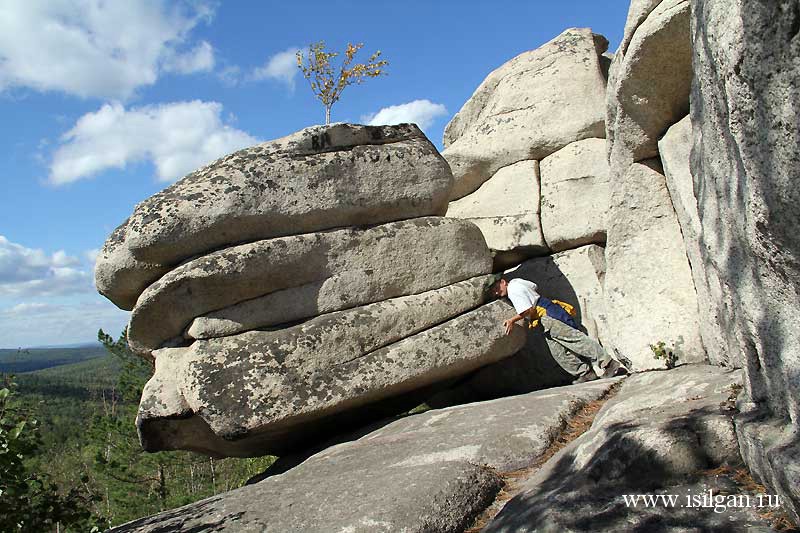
[
  {"x": 27, "y": 271},
  {"x": 39, "y": 323},
  {"x": 97, "y": 48},
  {"x": 420, "y": 112},
  {"x": 91, "y": 255},
  {"x": 282, "y": 67},
  {"x": 177, "y": 137}
]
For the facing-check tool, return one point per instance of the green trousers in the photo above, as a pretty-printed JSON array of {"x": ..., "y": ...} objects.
[{"x": 572, "y": 349}]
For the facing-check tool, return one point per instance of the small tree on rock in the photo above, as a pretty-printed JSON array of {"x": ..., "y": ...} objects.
[{"x": 319, "y": 72}]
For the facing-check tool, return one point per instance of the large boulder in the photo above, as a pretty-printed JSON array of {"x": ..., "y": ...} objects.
[
  {"x": 649, "y": 81},
  {"x": 354, "y": 265},
  {"x": 650, "y": 296},
  {"x": 277, "y": 391},
  {"x": 674, "y": 149},
  {"x": 574, "y": 195},
  {"x": 451, "y": 458},
  {"x": 319, "y": 178},
  {"x": 528, "y": 108},
  {"x": 506, "y": 209},
  {"x": 658, "y": 435},
  {"x": 746, "y": 166}
]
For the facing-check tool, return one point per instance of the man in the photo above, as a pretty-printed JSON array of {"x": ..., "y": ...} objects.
[{"x": 577, "y": 353}]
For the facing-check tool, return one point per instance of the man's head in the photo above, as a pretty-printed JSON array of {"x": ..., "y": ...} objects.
[{"x": 499, "y": 289}]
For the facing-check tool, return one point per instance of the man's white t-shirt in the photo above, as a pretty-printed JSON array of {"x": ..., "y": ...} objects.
[{"x": 522, "y": 294}]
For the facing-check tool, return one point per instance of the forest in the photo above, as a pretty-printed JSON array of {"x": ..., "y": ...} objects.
[{"x": 70, "y": 458}]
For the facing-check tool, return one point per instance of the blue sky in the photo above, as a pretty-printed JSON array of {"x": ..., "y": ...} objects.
[{"x": 104, "y": 103}]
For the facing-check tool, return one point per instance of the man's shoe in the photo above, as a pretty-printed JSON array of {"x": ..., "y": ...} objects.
[
  {"x": 588, "y": 376},
  {"x": 612, "y": 368}
]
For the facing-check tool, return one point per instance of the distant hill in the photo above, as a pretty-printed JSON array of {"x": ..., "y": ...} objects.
[{"x": 30, "y": 359}]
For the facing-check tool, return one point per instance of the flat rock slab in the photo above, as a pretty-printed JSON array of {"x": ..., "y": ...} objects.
[
  {"x": 658, "y": 434},
  {"x": 506, "y": 209},
  {"x": 265, "y": 392},
  {"x": 430, "y": 472},
  {"x": 352, "y": 265},
  {"x": 649, "y": 291},
  {"x": 319, "y": 178},
  {"x": 528, "y": 108},
  {"x": 575, "y": 195}
]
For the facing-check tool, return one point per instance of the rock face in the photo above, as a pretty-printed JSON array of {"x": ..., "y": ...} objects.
[
  {"x": 535, "y": 104},
  {"x": 674, "y": 149},
  {"x": 272, "y": 391},
  {"x": 746, "y": 129},
  {"x": 506, "y": 209},
  {"x": 316, "y": 179},
  {"x": 649, "y": 81},
  {"x": 575, "y": 195},
  {"x": 344, "y": 267},
  {"x": 451, "y": 457},
  {"x": 657, "y": 435},
  {"x": 649, "y": 292}
]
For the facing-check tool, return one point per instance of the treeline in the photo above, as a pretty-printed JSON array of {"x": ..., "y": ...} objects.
[{"x": 82, "y": 466}]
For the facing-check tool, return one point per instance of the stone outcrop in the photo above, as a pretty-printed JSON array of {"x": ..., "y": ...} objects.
[
  {"x": 575, "y": 195},
  {"x": 650, "y": 296},
  {"x": 349, "y": 266},
  {"x": 746, "y": 130},
  {"x": 658, "y": 434},
  {"x": 315, "y": 179},
  {"x": 277, "y": 391},
  {"x": 451, "y": 457},
  {"x": 528, "y": 108},
  {"x": 506, "y": 208},
  {"x": 674, "y": 149}
]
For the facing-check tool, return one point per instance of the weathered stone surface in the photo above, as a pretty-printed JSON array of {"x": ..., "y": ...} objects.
[
  {"x": 270, "y": 392},
  {"x": 649, "y": 81},
  {"x": 746, "y": 165},
  {"x": 506, "y": 209},
  {"x": 319, "y": 178},
  {"x": 392, "y": 259},
  {"x": 648, "y": 286},
  {"x": 363, "y": 485},
  {"x": 657, "y": 435},
  {"x": 674, "y": 150},
  {"x": 575, "y": 195},
  {"x": 528, "y": 108},
  {"x": 575, "y": 277}
]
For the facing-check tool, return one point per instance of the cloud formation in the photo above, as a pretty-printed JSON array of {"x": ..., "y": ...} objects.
[
  {"x": 281, "y": 67},
  {"x": 30, "y": 272},
  {"x": 177, "y": 138},
  {"x": 96, "y": 48},
  {"x": 423, "y": 113}
]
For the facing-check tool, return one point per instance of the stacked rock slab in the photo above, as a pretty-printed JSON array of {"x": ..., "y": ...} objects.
[
  {"x": 303, "y": 286},
  {"x": 746, "y": 166},
  {"x": 649, "y": 288},
  {"x": 544, "y": 106}
]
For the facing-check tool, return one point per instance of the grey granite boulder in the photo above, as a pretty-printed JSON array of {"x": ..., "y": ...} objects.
[
  {"x": 430, "y": 472},
  {"x": 319, "y": 178},
  {"x": 575, "y": 195},
  {"x": 383, "y": 261},
  {"x": 674, "y": 149},
  {"x": 649, "y": 81},
  {"x": 506, "y": 209},
  {"x": 528, "y": 108},
  {"x": 657, "y": 435},
  {"x": 649, "y": 292},
  {"x": 746, "y": 166},
  {"x": 265, "y": 392}
]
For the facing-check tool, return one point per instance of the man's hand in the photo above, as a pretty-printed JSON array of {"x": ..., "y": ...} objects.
[{"x": 509, "y": 325}]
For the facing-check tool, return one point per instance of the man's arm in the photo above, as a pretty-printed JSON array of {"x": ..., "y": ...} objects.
[{"x": 509, "y": 324}]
